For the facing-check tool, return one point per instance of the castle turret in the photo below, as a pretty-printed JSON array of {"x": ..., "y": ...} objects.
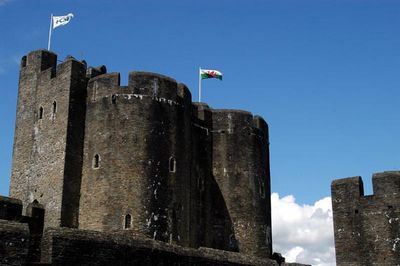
[
  {"x": 240, "y": 166},
  {"x": 367, "y": 227},
  {"x": 48, "y": 140},
  {"x": 136, "y": 168}
]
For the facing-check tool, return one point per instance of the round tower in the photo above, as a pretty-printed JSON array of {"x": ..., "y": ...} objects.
[
  {"x": 136, "y": 157},
  {"x": 240, "y": 166}
]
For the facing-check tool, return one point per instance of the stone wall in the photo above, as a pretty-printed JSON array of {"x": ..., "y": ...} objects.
[
  {"x": 64, "y": 246},
  {"x": 47, "y": 154},
  {"x": 14, "y": 242},
  {"x": 367, "y": 228},
  {"x": 142, "y": 143},
  {"x": 241, "y": 170}
]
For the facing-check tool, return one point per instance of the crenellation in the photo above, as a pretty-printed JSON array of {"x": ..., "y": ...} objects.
[
  {"x": 347, "y": 189},
  {"x": 153, "y": 84},
  {"x": 40, "y": 60},
  {"x": 201, "y": 111},
  {"x": 386, "y": 184},
  {"x": 103, "y": 85},
  {"x": 92, "y": 72}
]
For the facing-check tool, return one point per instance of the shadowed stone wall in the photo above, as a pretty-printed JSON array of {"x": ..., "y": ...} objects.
[{"x": 241, "y": 170}]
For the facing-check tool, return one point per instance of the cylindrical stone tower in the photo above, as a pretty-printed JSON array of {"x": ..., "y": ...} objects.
[
  {"x": 240, "y": 164},
  {"x": 136, "y": 157}
]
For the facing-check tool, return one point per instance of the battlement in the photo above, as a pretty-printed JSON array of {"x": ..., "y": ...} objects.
[
  {"x": 140, "y": 84},
  {"x": 234, "y": 121},
  {"x": 39, "y": 60},
  {"x": 44, "y": 63},
  {"x": 347, "y": 189},
  {"x": 201, "y": 111},
  {"x": 386, "y": 184}
]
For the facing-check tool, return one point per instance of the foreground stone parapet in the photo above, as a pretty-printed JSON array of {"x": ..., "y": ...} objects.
[
  {"x": 64, "y": 246},
  {"x": 14, "y": 242},
  {"x": 10, "y": 209}
]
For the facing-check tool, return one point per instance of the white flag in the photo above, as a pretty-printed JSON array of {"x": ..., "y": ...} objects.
[{"x": 61, "y": 20}]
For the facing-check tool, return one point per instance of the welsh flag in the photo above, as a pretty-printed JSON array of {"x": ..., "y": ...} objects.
[{"x": 208, "y": 74}]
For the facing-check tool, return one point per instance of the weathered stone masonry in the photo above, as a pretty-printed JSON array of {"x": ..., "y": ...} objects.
[
  {"x": 139, "y": 160},
  {"x": 367, "y": 228}
]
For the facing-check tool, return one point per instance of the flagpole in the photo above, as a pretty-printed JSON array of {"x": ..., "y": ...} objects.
[
  {"x": 51, "y": 24},
  {"x": 199, "y": 84}
]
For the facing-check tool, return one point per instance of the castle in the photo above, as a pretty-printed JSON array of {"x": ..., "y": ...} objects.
[
  {"x": 367, "y": 228},
  {"x": 100, "y": 164},
  {"x": 140, "y": 175}
]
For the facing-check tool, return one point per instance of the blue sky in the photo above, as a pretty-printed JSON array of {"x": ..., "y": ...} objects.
[{"x": 324, "y": 74}]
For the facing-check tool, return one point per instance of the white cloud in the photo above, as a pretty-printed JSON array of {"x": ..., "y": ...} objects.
[{"x": 303, "y": 233}]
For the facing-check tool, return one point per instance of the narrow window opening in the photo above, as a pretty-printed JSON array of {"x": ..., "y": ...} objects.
[
  {"x": 355, "y": 211},
  {"x": 128, "y": 221},
  {"x": 54, "y": 107},
  {"x": 390, "y": 207},
  {"x": 113, "y": 99},
  {"x": 172, "y": 165},
  {"x": 40, "y": 112},
  {"x": 96, "y": 161}
]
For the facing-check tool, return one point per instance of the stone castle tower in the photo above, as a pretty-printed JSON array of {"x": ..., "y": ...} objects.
[
  {"x": 367, "y": 228},
  {"x": 142, "y": 159}
]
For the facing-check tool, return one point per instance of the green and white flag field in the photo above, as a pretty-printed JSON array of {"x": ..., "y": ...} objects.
[{"x": 209, "y": 74}]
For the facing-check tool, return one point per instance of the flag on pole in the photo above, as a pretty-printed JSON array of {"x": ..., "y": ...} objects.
[
  {"x": 56, "y": 21},
  {"x": 61, "y": 20},
  {"x": 208, "y": 74}
]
